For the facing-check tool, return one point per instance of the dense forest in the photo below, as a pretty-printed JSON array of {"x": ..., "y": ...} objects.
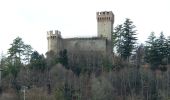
[{"x": 137, "y": 72}]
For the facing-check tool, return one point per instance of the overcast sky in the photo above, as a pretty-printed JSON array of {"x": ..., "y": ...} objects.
[{"x": 31, "y": 19}]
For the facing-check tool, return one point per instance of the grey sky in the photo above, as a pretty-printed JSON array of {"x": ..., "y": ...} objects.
[{"x": 30, "y": 19}]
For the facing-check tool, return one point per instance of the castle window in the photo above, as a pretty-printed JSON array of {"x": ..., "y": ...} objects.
[
  {"x": 103, "y": 12},
  {"x": 98, "y": 13},
  {"x": 108, "y": 13}
]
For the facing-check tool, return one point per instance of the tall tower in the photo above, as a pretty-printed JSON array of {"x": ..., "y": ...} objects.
[
  {"x": 54, "y": 41},
  {"x": 105, "y": 20}
]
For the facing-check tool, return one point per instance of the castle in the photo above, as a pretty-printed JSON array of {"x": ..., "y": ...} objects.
[{"x": 102, "y": 43}]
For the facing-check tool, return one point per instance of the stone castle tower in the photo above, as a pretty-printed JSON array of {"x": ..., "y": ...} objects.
[
  {"x": 54, "y": 41},
  {"x": 105, "y": 22},
  {"x": 101, "y": 43}
]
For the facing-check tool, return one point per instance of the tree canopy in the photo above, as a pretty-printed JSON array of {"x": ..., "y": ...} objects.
[{"x": 126, "y": 39}]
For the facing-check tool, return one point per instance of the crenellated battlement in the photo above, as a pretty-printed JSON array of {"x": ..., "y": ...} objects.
[
  {"x": 54, "y": 40},
  {"x": 105, "y": 16},
  {"x": 54, "y": 34}
]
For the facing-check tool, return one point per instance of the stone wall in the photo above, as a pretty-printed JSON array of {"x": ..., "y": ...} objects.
[{"x": 85, "y": 44}]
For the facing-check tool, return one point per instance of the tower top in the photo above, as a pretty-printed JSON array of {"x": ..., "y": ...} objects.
[
  {"x": 105, "y": 20},
  {"x": 105, "y": 16},
  {"x": 55, "y": 33}
]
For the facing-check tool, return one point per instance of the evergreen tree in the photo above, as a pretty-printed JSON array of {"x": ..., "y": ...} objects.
[
  {"x": 156, "y": 51},
  {"x": 19, "y": 52},
  {"x": 162, "y": 48},
  {"x": 126, "y": 39},
  {"x": 116, "y": 36},
  {"x": 16, "y": 50},
  {"x": 119, "y": 38},
  {"x": 27, "y": 53},
  {"x": 14, "y": 60},
  {"x": 151, "y": 54},
  {"x": 16, "y": 54},
  {"x": 168, "y": 50},
  {"x": 37, "y": 61}
]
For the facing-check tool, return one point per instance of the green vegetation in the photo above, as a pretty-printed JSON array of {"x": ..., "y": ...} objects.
[
  {"x": 125, "y": 39},
  {"x": 37, "y": 61},
  {"x": 138, "y": 72},
  {"x": 157, "y": 52}
]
